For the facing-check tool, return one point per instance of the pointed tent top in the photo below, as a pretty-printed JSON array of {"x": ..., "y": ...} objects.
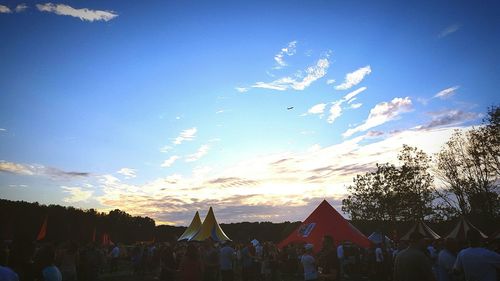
[
  {"x": 460, "y": 230},
  {"x": 325, "y": 220},
  {"x": 422, "y": 228},
  {"x": 210, "y": 229},
  {"x": 192, "y": 229}
]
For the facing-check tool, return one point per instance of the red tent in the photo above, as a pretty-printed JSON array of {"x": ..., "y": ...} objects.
[{"x": 325, "y": 220}]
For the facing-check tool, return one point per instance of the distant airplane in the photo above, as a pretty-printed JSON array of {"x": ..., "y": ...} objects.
[{"x": 288, "y": 108}]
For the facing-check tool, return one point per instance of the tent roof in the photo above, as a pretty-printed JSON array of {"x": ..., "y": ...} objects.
[
  {"x": 376, "y": 237},
  {"x": 192, "y": 228},
  {"x": 460, "y": 230},
  {"x": 325, "y": 220},
  {"x": 423, "y": 229},
  {"x": 210, "y": 229}
]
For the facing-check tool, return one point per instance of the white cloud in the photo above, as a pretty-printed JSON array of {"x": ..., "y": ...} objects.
[
  {"x": 313, "y": 73},
  {"x": 241, "y": 89},
  {"x": 39, "y": 170},
  {"x": 449, "y": 30},
  {"x": 330, "y": 81},
  {"x": 219, "y": 111},
  {"x": 289, "y": 50},
  {"x": 83, "y": 14},
  {"x": 356, "y": 105},
  {"x": 76, "y": 194},
  {"x": 317, "y": 109},
  {"x": 127, "y": 172},
  {"x": 354, "y": 78},
  {"x": 186, "y": 135},
  {"x": 335, "y": 111},
  {"x": 202, "y": 151},
  {"x": 382, "y": 113},
  {"x": 21, "y": 8},
  {"x": 3, "y": 130},
  {"x": 446, "y": 93},
  {"x": 167, "y": 163},
  {"x": 354, "y": 93},
  {"x": 5, "y": 10}
]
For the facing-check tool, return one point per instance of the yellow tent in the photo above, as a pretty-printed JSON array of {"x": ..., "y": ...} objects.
[
  {"x": 210, "y": 229},
  {"x": 192, "y": 229}
]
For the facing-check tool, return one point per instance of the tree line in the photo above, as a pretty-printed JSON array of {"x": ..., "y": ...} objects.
[
  {"x": 23, "y": 220},
  {"x": 462, "y": 179}
]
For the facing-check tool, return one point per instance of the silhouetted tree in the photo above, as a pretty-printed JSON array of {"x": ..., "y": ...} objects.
[
  {"x": 469, "y": 167},
  {"x": 393, "y": 192}
]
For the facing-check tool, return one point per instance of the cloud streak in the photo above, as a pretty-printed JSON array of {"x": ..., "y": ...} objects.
[
  {"x": 170, "y": 161},
  {"x": 76, "y": 194},
  {"x": 449, "y": 30},
  {"x": 202, "y": 151},
  {"x": 382, "y": 113},
  {"x": 5, "y": 10},
  {"x": 186, "y": 135},
  {"x": 83, "y": 14},
  {"x": 289, "y": 50},
  {"x": 313, "y": 73},
  {"x": 446, "y": 93},
  {"x": 354, "y": 78},
  {"x": 39, "y": 170},
  {"x": 127, "y": 172}
]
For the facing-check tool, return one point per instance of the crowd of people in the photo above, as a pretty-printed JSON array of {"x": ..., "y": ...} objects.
[{"x": 417, "y": 259}]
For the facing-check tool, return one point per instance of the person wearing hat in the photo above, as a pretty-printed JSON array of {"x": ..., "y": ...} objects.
[
  {"x": 309, "y": 264},
  {"x": 412, "y": 264}
]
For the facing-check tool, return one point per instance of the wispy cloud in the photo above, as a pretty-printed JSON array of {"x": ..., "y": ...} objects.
[
  {"x": 382, "y": 113},
  {"x": 289, "y": 50},
  {"x": 170, "y": 161},
  {"x": 5, "y": 10},
  {"x": 449, "y": 118},
  {"x": 202, "y": 151},
  {"x": 317, "y": 109},
  {"x": 186, "y": 135},
  {"x": 335, "y": 111},
  {"x": 449, "y": 30},
  {"x": 354, "y": 78},
  {"x": 76, "y": 194},
  {"x": 336, "y": 107},
  {"x": 446, "y": 93},
  {"x": 241, "y": 89},
  {"x": 21, "y": 8},
  {"x": 127, "y": 172},
  {"x": 356, "y": 105},
  {"x": 354, "y": 93},
  {"x": 84, "y": 14},
  {"x": 330, "y": 81},
  {"x": 3, "y": 130},
  {"x": 313, "y": 73},
  {"x": 38, "y": 170}
]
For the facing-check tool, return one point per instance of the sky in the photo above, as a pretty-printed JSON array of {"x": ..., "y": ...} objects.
[{"x": 260, "y": 109}]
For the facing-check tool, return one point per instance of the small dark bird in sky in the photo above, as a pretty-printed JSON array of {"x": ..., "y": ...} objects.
[{"x": 289, "y": 108}]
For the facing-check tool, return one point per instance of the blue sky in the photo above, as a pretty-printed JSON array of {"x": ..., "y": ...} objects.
[{"x": 167, "y": 107}]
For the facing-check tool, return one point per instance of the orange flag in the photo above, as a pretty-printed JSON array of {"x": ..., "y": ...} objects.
[{"x": 43, "y": 230}]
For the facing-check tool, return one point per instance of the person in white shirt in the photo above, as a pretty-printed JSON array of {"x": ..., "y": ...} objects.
[
  {"x": 475, "y": 262},
  {"x": 309, "y": 264}
]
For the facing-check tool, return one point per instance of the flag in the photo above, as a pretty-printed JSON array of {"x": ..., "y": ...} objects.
[{"x": 43, "y": 230}]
